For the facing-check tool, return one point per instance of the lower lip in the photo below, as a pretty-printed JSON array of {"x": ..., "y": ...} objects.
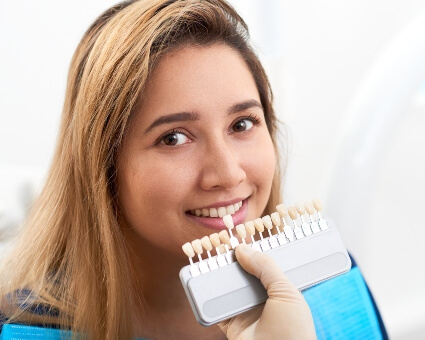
[{"x": 217, "y": 223}]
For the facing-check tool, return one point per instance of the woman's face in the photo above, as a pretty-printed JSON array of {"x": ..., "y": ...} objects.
[{"x": 198, "y": 143}]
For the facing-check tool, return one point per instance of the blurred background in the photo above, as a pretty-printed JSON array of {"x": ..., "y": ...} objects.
[{"x": 349, "y": 82}]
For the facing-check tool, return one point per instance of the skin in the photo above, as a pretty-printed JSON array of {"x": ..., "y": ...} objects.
[{"x": 166, "y": 169}]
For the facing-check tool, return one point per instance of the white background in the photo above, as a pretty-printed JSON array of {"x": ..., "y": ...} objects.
[{"x": 319, "y": 55}]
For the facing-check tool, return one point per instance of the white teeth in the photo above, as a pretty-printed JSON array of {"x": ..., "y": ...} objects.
[
  {"x": 217, "y": 212},
  {"x": 230, "y": 209},
  {"x": 221, "y": 211},
  {"x": 213, "y": 212}
]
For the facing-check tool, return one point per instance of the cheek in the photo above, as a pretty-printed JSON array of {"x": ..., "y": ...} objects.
[
  {"x": 150, "y": 193},
  {"x": 261, "y": 164}
]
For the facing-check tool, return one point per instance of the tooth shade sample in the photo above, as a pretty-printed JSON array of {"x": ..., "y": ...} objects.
[
  {"x": 276, "y": 218},
  {"x": 224, "y": 237},
  {"x": 281, "y": 209},
  {"x": 240, "y": 229},
  {"x": 267, "y": 222},
  {"x": 215, "y": 239},
  {"x": 309, "y": 208},
  {"x": 293, "y": 213},
  {"x": 250, "y": 228},
  {"x": 188, "y": 249},
  {"x": 206, "y": 243},
  {"x": 259, "y": 225},
  {"x": 228, "y": 221},
  {"x": 300, "y": 209},
  {"x": 221, "y": 248},
  {"x": 206, "y": 212},
  {"x": 197, "y": 246},
  {"x": 317, "y": 205}
]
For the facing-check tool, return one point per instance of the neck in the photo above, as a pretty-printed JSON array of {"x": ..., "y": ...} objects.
[{"x": 164, "y": 311}]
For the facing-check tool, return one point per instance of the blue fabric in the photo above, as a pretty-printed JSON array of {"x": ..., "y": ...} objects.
[
  {"x": 342, "y": 308},
  {"x": 21, "y": 332}
]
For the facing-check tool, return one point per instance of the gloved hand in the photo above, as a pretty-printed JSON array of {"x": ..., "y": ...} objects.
[{"x": 285, "y": 315}]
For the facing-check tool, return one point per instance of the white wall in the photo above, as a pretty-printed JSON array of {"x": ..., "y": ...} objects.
[{"x": 319, "y": 53}]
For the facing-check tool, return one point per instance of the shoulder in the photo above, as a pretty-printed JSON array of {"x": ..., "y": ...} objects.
[{"x": 30, "y": 309}]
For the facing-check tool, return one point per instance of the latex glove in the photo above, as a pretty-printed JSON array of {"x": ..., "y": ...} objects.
[{"x": 285, "y": 315}]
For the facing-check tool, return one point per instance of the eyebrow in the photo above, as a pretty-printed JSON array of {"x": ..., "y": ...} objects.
[
  {"x": 192, "y": 116},
  {"x": 245, "y": 105},
  {"x": 173, "y": 117}
]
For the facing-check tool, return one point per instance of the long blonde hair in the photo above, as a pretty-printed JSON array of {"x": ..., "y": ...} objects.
[{"x": 66, "y": 268}]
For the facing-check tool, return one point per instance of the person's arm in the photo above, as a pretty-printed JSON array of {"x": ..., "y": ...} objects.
[{"x": 285, "y": 315}]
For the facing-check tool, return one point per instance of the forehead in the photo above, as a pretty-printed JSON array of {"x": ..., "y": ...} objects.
[{"x": 197, "y": 75}]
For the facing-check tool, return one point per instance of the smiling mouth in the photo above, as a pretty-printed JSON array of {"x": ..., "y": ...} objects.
[{"x": 216, "y": 212}]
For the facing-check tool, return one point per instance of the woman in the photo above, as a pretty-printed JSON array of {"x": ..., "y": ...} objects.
[{"x": 168, "y": 112}]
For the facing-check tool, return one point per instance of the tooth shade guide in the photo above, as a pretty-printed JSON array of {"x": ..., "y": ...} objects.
[
  {"x": 302, "y": 257},
  {"x": 317, "y": 205},
  {"x": 259, "y": 225},
  {"x": 314, "y": 226},
  {"x": 206, "y": 243},
  {"x": 240, "y": 229},
  {"x": 219, "y": 249},
  {"x": 188, "y": 250},
  {"x": 267, "y": 221},
  {"x": 215, "y": 240},
  {"x": 290, "y": 232},
  {"x": 309, "y": 208},
  {"x": 228, "y": 222},
  {"x": 197, "y": 246},
  {"x": 300, "y": 209},
  {"x": 264, "y": 243},
  {"x": 293, "y": 214},
  {"x": 282, "y": 210},
  {"x": 276, "y": 219},
  {"x": 250, "y": 229},
  {"x": 224, "y": 237},
  {"x": 305, "y": 227}
]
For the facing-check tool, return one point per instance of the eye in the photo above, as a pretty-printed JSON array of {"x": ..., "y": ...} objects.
[
  {"x": 244, "y": 124},
  {"x": 174, "y": 138}
]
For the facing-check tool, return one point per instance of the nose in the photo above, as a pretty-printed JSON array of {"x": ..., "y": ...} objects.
[{"x": 222, "y": 167}]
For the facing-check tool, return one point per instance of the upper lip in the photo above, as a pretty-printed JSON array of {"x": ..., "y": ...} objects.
[{"x": 221, "y": 204}]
